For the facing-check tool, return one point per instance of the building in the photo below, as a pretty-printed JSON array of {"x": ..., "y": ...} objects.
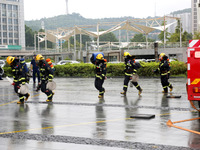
[
  {"x": 185, "y": 21},
  {"x": 12, "y": 27},
  {"x": 195, "y": 16}
]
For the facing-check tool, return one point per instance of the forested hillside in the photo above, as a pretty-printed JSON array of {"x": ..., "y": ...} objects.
[{"x": 76, "y": 19}]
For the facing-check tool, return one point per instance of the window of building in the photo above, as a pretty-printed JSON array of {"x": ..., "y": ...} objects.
[
  {"x": 16, "y": 42},
  {"x": 15, "y": 35},
  {"x": 3, "y": 12},
  {"x": 15, "y": 21},
  {"x": 5, "y": 41},
  {"x": 9, "y": 7},
  {"x": 10, "y": 14},
  {"x": 4, "y": 20},
  {"x": 4, "y": 27},
  {"x": 15, "y": 7},
  {"x": 10, "y": 27},
  {"x": 4, "y": 34},
  {"x": 10, "y": 34},
  {"x": 9, "y": 21},
  {"x": 15, "y": 14},
  {"x": 15, "y": 28},
  {"x": 3, "y": 6},
  {"x": 10, "y": 41}
]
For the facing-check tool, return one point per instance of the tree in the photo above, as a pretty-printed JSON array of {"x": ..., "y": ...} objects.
[
  {"x": 161, "y": 35},
  {"x": 29, "y": 36},
  {"x": 109, "y": 37},
  {"x": 196, "y": 35},
  {"x": 175, "y": 37},
  {"x": 140, "y": 38}
]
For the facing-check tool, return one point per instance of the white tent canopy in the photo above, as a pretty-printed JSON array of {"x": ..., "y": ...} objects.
[{"x": 125, "y": 25}]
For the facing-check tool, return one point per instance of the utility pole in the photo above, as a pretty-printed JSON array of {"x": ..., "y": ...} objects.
[{"x": 67, "y": 10}]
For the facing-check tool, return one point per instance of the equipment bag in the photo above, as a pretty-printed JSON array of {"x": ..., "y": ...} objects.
[{"x": 94, "y": 55}]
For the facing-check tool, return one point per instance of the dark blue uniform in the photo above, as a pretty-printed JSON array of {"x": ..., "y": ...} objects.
[{"x": 35, "y": 71}]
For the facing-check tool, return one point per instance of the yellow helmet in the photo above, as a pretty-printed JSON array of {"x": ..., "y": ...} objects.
[
  {"x": 161, "y": 56},
  {"x": 126, "y": 54},
  {"x": 10, "y": 59},
  {"x": 39, "y": 57},
  {"x": 100, "y": 57}
]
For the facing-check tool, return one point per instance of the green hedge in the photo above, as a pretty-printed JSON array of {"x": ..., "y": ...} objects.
[{"x": 87, "y": 70}]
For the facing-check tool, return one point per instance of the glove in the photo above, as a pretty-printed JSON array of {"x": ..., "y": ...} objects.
[{"x": 13, "y": 83}]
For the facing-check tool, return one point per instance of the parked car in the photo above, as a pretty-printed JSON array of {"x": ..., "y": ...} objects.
[
  {"x": 2, "y": 63},
  {"x": 63, "y": 62},
  {"x": 28, "y": 64}
]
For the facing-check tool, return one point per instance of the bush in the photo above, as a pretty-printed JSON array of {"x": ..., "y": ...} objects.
[{"x": 113, "y": 70}]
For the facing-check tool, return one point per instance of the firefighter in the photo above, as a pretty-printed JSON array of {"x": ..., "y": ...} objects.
[
  {"x": 46, "y": 74},
  {"x": 100, "y": 74},
  {"x": 18, "y": 76},
  {"x": 164, "y": 69},
  {"x": 130, "y": 69}
]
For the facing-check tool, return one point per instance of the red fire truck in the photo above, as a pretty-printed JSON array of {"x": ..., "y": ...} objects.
[{"x": 193, "y": 71}]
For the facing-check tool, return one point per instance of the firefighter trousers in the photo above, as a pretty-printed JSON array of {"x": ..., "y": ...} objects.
[
  {"x": 165, "y": 83},
  {"x": 99, "y": 85},
  {"x": 48, "y": 92},
  {"x": 21, "y": 96},
  {"x": 126, "y": 81}
]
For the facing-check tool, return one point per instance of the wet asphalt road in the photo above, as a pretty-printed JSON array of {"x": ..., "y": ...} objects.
[{"x": 77, "y": 119}]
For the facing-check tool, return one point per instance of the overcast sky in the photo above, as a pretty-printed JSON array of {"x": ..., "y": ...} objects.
[{"x": 37, "y": 9}]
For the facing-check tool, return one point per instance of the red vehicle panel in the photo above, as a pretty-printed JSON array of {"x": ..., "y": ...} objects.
[{"x": 193, "y": 73}]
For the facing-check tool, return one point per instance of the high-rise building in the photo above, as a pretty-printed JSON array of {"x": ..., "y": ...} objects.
[
  {"x": 12, "y": 28},
  {"x": 185, "y": 19},
  {"x": 195, "y": 16}
]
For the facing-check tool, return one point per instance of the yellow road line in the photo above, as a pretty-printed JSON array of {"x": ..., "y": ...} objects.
[
  {"x": 71, "y": 125},
  {"x": 61, "y": 126},
  {"x": 17, "y": 100},
  {"x": 8, "y": 103}
]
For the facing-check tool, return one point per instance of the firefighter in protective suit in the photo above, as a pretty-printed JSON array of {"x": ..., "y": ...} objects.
[
  {"x": 100, "y": 74},
  {"x": 130, "y": 69},
  {"x": 18, "y": 76},
  {"x": 46, "y": 74},
  {"x": 164, "y": 69}
]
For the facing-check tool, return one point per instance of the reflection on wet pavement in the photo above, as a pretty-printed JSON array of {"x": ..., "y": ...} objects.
[{"x": 77, "y": 119}]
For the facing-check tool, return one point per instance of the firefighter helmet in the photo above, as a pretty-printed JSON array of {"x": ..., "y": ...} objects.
[
  {"x": 10, "y": 59},
  {"x": 126, "y": 54},
  {"x": 100, "y": 57},
  {"x": 39, "y": 57},
  {"x": 161, "y": 56}
]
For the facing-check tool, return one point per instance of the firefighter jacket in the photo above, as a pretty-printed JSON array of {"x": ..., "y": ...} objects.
[
  {"x": 130, "y": 67},
  {"x": 46, "y": 72},
  {"x": 164, "y": 68},
  {"x": 18, "y": 73},
  {"x": 101, "y": 69}
]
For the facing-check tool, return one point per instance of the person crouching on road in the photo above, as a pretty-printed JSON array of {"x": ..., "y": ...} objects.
[
  {"x": 130, "y": 69},
  {"x": 100, "y": 74},
  {"x": 18, "y": 76},
  {"x": 164, "y": 69},
  {"x": 46, "y": 75}
]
